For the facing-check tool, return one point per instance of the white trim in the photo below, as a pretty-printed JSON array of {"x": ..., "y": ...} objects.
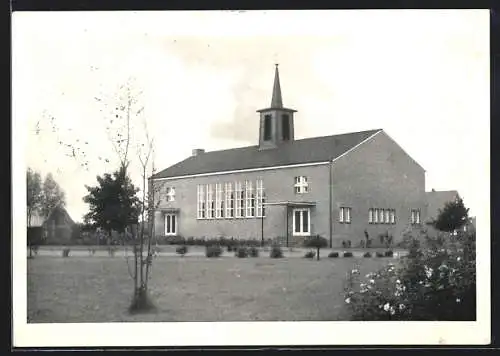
[
  {"x": 172, "y": 217},
  {"x": 244, "y": 170},
  {"x": 359, "y": 144}
]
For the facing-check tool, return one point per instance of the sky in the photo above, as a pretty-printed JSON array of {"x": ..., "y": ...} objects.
[{"x": 421, "y": 75}]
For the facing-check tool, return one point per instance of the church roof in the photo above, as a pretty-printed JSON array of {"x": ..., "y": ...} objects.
[{"x": 309, "y": 150}]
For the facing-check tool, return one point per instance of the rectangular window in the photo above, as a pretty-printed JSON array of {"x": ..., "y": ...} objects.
[
  {"x": 285, "y": 127},
  {"x": 170, "y": 194},
  {"x": 375, "y": 216},
  {"x": 345, "y": 215},
  {"x": 170, "y": 224},
  {"x": 387, "y": 216},
  {"x": 250, "y": 199},
  {"x": 370, "y": 216},
  {"x": 201, "y": 202},
  {"x": 381, "y": 216},
  {"x": 267, "y": 127},
  {"x": 301, "y": 222},
  {"x": 393, "y": 216},
  {"x": 260, "y": 198},
  {"x": 240, "y": 200},
  {"x": 210, "y": 202},
  {"x": 415, "y": 216},
  {"x": 301, "y": 185},
  {"x": 229, "y": 200},
  {"x": 219, "y": 203}
]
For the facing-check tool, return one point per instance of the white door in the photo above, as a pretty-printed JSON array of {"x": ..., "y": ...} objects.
[
  {"x": 301, "y": 222},
  {"x": 170, "y": 224}
]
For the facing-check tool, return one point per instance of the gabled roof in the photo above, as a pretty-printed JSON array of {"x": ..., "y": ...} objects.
[
  {"x": 309, "y": 150},
  {"x": 37, "y": 220},
  {"x": 437, "y": 199}
]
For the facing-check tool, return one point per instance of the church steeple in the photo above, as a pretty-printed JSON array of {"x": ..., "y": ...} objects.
[
  {"x": 276, "y": 101},
  {"x": 276, "y": 122}
]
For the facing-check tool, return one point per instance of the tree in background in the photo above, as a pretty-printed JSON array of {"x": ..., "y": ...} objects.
[
  {"x": 34, "y": 196},
  {"x": 113, "y": 202},
  {"x": 52, "y": 196},
  {"x": 452, "y": 217},
  {"x": 34, "y": 199}
]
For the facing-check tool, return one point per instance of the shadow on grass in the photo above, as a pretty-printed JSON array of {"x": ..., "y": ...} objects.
[{"x": 142, "y": 303}]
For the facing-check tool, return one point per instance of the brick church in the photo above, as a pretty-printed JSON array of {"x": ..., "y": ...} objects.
[{"x": 337, "y": 186}]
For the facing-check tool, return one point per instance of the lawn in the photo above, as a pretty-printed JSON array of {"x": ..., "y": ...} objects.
[{"x": 192, "y": 288}]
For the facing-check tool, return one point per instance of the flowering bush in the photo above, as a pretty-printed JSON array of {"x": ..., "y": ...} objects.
[{"x": 436, "y": 281}]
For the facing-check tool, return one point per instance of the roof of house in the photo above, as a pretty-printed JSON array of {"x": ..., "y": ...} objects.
[
  {"x": 38, "y": 220},
  {"x": 437, "y": 199},
  {"x": 309, "y": 150}
]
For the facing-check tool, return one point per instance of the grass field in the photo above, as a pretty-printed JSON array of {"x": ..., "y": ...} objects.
[{"x": 192, "y": 288}]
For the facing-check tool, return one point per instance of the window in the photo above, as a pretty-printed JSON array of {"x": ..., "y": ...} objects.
[
  {"x": 387, "y": 216},
  {"x": 219, "y": 202},
  {"x": 210, "y": 202},
  {"x": 393, "y": 216},
  {"x": 170, "y": 193},
  {"x": 301, "y": 222},
  {"x": 267, "y": 127},
  {"x": 260, "y": 198},
  {"x": 170, "y": 224},
  {"x": 250, "y": 199},
  {"x": 415, "y": 216},
  {"x": 229, "y": 200},
  {"x": 301, "y": 185},
  {"x": 240, "y": 201},
  {"x": 285, "y": 127},
  {"x": 375, "y": 216},
  {"x": 345, "y": 215},
  {"x": 201, "y": 202},
  {"x": 381, "y": 216},
  {"x": 370, "y": 216}
]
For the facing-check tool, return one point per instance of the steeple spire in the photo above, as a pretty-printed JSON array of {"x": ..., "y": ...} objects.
[{"x": 277, "y": 101}]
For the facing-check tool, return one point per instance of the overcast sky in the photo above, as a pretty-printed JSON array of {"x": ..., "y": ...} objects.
[{"x": 422, "y": 76}]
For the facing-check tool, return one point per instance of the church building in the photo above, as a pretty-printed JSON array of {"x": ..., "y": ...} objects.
[{"x": 342, "y": 187}]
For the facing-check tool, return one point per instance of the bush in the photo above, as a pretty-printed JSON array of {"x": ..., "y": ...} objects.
[
  {"x": 276, "y": 252},
  {"x": 213, "y": 251},
  {"x": 389, "y": 253},
  {"x": 315, "y": 242},
  {"x": 367, "y": 254},
  {"x": 242, "y": 252},
  {"x": 310, "y": 254},
  {"x": 65, "y": 252},
  {"x": 333, "y": 254},
  {"x": 253, "y": 251},
  {"x": 112, "y": 251},
  {"x": 181, "y": 250},
  {"x": 436, "y": 282},
  {"x": 347, "y": 254},
  {"x": 379, "y": 254}
]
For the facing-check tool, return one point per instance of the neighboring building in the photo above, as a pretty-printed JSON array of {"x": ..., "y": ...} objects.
[
  {"x": 335, "y": 186},
  {"x": 57, "y": 228}
]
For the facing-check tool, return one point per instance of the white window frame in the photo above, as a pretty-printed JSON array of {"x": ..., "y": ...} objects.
[
  {"x": 229, "y": 195},
  {"x": 201, "y": 202},
  {"x": 393, "y": 216},
  {"x": 375, "y": 216},
  {"x": 345, "y": 215},
  {"x": 301, "y": 232},
  {"x": 370, "y": 216},
  {"x": 381, "y": 216},
  {"x": 415, "y": 216},
  {"x": 170, "y": 193},
  {"x": 260, "y": 198},
  {"x": 219, "y": 202},
  {"x": 171, "y": 217},
  {"x": 249, "y": 200},
  {"x": 387, "y": 216},
  {"x": 301, "y": 185},
  {"x": 240, "y": 203},
  {"x": 210, "y": 208}
]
